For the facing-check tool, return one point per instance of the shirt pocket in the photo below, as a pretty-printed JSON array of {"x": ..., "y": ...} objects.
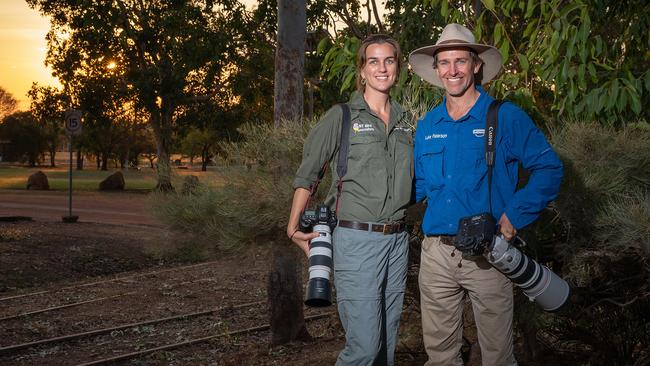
[
  {"x": 366, "y": 154},
  {"x": 432, "y": 162},
  {"x": 472, "y": 168},
  {"x": 404, "y": 154}
]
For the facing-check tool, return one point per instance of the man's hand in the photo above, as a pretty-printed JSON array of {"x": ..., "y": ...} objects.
[
  {"x": 506, "y": 228},
  {"x": 302, "y": 239}
]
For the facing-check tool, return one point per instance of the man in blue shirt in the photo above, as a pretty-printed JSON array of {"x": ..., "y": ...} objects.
[{"x": 451, "y": 174}]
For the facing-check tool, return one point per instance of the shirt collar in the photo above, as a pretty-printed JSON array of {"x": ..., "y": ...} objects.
[
  {"x": 358, "y": 103},
  {"x": 477, "y": 111}
]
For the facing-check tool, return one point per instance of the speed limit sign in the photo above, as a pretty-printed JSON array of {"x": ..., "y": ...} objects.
[{"x": 73, "y": 122}]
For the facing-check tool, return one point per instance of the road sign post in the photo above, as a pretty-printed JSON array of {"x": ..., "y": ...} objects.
[{"x": 72, "y": 128}]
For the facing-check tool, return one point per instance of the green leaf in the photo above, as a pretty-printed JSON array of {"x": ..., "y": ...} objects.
[
  {"x": 505, "y": 49},
  {"x": 321, "y": 46},
  {"x": 523, "y": 60},
  {"x": 498, "y": 29},
  {"x": 622, "y": 99},
  {"x": 478, "y": 30},
  {"x": 592, "y": 72},
  {"x": 347, "y": 82},
  {"x": 647, "y": 80},
  {"x": 530, "y": 8},
  {"x": 613, "y": 94},
  {"x": 530, "y": 27},
  {"x": 488, "y": 4},
  {"x": 444, "y": 8},
  {"x": 635, "y": 103}
]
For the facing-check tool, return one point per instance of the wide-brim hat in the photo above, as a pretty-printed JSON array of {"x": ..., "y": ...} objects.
[{"x": 455, "y": 35}]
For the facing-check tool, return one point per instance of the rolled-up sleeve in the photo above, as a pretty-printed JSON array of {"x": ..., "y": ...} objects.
[{"x": 320, "y": 145}]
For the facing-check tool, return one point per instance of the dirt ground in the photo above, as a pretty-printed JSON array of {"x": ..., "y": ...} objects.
[
  {"x": 60, "y": 279},
  {"x": 106, "y": 281}
]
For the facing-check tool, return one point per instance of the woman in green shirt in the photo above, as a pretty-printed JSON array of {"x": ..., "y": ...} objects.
[{"x": 370, "y": 243}]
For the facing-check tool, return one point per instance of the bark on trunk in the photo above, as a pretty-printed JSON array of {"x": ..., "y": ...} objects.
[
  {"x": 289, "y": 61},
  {"x": 104, "y": 159},
  {"x": 80, "y": 160},
  {"x": 52, "y": 158},
  {"x": 161, "y": 125},
  {"x": 285, "y": 297},
  {"x": 285, "y": 285}
]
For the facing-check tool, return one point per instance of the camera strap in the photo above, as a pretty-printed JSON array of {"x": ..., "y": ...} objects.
[
  {"x": 342, "y": 163},
  {"x": 490, "y": 142}
]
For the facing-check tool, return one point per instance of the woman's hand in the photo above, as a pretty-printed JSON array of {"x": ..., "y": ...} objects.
[{"x": 302, "y": 239}]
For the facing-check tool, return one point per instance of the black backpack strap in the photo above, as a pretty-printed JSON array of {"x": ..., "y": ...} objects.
[
  {"x": 342, "y": 162},
  {"x": 344, "y": 144},
  {"x": 491, "y": 125},
  {"x": 344, "y": 148}
]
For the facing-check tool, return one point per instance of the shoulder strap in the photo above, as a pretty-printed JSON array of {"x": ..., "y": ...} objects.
[
  {"x": 344, "y": 143},
  {"x": 490, "y": 141},
  {"x": 342, "y": 162}
]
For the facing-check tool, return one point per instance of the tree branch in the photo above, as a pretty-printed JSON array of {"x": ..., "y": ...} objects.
[
  {"x": 345, "y": 16},
  {"x": 377, "y": 19}
]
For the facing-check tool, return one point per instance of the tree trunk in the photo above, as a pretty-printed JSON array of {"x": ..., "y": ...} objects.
[
  {"x": 289, "y": 61},
  {"x": 285, "y": 287},
  {"x": 104, "y": 158},
  {"x": 80, "y": 160},
  {"x": 205, "y": 157},
  {"x": 53, "y": 158},
  {"x": 161, "y": 125},
  {"x": 285, "y": 297}
]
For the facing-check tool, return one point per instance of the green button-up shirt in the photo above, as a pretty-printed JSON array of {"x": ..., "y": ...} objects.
[{"x": 377, "y": 185}]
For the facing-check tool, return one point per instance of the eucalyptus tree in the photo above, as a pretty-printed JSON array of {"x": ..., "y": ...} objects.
[
  {"x": 8, "y": 103},
  {"x": 48, "y": 106},
  {"x": 159, "y": 45},
  {"x": 22, "y": 138},
  {"x": 285, "y": 285}
]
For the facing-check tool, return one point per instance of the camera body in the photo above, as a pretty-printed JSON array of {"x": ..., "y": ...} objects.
[
  {"x": 323, "y": 221},
  {"x": 475, "y": 233},
  {"x": 321, "y": 215}
]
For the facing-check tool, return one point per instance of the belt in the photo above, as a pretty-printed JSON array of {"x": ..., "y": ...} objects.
[
  {"x": 386, "y": 229},
  {"x": 444, "y": 239}
]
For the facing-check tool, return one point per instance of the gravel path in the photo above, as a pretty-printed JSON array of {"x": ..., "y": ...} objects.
[{"x": 120, "y": 208}]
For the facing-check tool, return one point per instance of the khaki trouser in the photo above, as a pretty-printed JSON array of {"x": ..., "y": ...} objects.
[{"x": 444, "y": 278}]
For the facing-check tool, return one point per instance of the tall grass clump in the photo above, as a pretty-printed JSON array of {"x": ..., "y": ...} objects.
[
  {"x": 600, "y": 226},
  {"x": 252, "y": 205}
]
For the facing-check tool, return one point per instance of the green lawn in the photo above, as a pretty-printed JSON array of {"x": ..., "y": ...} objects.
[
  {"x": 13, "y": 177},
  {"x": 84, "y": 180}
]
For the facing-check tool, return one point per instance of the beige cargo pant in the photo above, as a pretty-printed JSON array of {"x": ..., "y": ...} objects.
[{"x": 444, "y": 279}]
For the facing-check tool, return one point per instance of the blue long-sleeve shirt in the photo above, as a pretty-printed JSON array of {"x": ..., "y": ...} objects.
[{"x": 450, "y": 168}]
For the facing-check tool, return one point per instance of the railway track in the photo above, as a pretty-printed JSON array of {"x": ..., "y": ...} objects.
[
  {"x": 137, "y": 316},
  {"x": 138, "y": 339}
]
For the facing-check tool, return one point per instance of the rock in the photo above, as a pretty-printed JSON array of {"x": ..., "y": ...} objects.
[
  {"x": 113, "y": 182},
  {"x": 190, "y": 184},
  {"x": 38, "y": 180}
]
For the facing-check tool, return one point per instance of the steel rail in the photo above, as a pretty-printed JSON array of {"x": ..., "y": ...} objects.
[
  {"x": 10, "y": 349},
  {"x": 131, "y": 355},
  {"x": 40, "y": 311},
  {"x": 135, "y": 275}
]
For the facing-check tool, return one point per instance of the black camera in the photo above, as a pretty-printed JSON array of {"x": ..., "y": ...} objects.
[
  {"x": 475, "y": 233},
  {"x": 323, "y": 221},
  {"x": 477, "y": 236},
  {"x": 322, "y": 215}
]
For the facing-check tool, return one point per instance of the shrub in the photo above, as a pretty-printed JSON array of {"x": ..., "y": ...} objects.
[
  {"x": 253, "y": 205},
  {"x": 601, "y": 223}
]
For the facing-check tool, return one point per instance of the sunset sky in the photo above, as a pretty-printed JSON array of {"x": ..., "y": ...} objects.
[{"x": 22, "y": 49}]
